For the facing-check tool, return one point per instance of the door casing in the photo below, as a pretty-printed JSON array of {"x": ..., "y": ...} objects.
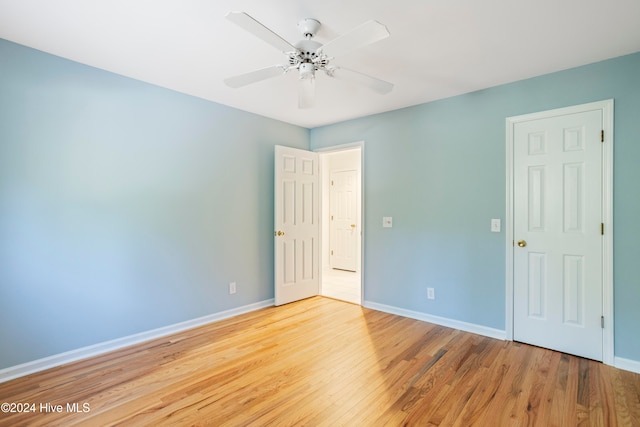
[{"x": 606, "y": 107}]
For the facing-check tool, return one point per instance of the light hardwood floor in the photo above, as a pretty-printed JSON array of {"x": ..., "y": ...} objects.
[{"x": 329, "y": 363}]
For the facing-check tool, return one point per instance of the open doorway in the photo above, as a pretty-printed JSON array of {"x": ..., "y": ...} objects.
[{"x": 341, "y": 223}]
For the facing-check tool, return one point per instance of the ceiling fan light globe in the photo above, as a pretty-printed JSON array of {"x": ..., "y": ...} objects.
[{"x": 307, "y": 70}]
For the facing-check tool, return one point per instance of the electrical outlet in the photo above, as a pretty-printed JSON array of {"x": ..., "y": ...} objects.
[
  {"x": 431, "y": 293},
  {"x": 232, "y": 288}
]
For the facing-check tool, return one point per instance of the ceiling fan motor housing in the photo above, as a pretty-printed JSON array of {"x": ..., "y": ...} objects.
[{"x": 306, "y": 58}]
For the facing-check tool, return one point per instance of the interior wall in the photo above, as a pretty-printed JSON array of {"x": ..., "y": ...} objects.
[
  {"x": 124, "y": 207},
  {"x": 439, "y": 170}
]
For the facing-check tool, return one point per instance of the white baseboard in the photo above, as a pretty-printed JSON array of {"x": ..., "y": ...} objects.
[
  {"x": 627, "y": 364},
  {"x": 442, "y": 321},
  {"x": 17, "y": 371}
]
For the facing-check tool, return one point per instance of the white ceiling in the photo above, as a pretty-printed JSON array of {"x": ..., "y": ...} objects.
[{"x": 437, "y": 48}]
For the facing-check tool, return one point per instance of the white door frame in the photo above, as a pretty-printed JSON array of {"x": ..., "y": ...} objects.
[
  {"x": 607, "y": 216},
  {"x": 360, "y": 261}
]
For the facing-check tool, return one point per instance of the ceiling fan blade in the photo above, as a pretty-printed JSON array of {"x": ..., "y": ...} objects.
[
  {"x": 257, "y": 29},
  {"x": 254, "y": 76},
  {"x": 306, "y": 92},
  {"x": 377, "y": 85},
  {"x": 367, "y": 33}
]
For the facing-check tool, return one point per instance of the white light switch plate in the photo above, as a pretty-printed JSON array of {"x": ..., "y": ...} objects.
[
  {"x": 495, "y": 225},
  {"x": 387, "y": 221}
]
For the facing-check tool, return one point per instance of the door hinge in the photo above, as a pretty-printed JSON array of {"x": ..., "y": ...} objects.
[
  {"x": 602, "y": 322},
  {"x": 602, "y": 135},
  {"x": 331, "y": 182},
  {"x": 331, "y": 252},
  {"x": 602, "y": 228}
]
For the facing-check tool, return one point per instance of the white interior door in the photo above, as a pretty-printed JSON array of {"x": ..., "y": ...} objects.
[
  {"x": 558, "y": 244},
  {"x": 296, "y": 236},
  {"x": 343, "y": 219}
]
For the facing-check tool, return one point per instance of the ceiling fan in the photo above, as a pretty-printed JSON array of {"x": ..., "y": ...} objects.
[{"x": 308, "y": 56}]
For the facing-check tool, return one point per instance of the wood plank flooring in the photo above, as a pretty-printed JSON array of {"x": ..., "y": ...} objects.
[{"x": 321, "y": 362}]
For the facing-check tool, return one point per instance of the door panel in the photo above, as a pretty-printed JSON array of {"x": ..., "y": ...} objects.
[
  {"x": 537, "y": 285},
  {"x": 557, "y": 218},
  {"x": 296, "y": 237}
]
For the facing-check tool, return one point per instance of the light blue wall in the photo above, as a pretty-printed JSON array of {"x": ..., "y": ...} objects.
[
  {"x": 124, "y": 207},
  {"x": 439, "y": 170}
]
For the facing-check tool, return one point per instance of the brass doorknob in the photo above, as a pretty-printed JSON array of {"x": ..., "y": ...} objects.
[
  {"x": 279, "y": 233},
  {"x": 522, "y": 243},
  {"x": 353, "y": 226}
]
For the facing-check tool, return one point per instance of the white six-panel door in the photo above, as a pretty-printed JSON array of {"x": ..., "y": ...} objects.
[
  {"x": 557, "y": 255},
  {"x": 343, "y": 219},
  {"x": 296, "y": 236}
]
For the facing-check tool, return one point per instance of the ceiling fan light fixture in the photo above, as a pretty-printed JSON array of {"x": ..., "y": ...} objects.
[{"x": 307, "y": 70}]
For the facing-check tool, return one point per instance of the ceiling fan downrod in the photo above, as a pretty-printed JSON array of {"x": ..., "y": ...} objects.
[{"x": 305, "y": 58}]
